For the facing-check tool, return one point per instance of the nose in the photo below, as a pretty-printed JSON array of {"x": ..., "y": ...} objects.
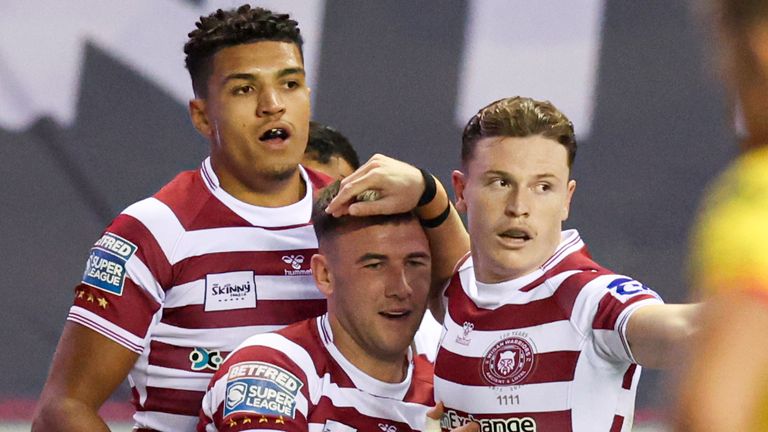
[
  {"x": 270, "y": 103},
  {"x": 517, "y": 202},
  {"x": 399, "y": 285}
]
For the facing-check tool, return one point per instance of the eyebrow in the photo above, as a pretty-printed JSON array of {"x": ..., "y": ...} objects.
[
  {"x": 506, "y": 175},
  {"x": 252, "y": 77},
  {"x": 375, "y": 256},
  {"x": 371, "y": 256}
]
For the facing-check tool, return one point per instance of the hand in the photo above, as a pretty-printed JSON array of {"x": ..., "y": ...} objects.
[
  {"x": 433, "y": 421},
  {"x": 397, "y": 184}
]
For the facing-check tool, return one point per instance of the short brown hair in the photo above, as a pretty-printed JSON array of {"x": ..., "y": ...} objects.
[
  {"x": 326, "y": 225},
  {"x": 518, "y": 117}
]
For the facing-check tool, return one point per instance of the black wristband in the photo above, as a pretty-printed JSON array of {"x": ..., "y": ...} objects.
[
  {"x": 430, "y": 188},
  {"x": 437, "y": 220}
]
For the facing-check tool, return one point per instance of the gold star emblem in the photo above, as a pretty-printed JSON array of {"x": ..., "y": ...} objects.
[
  {"x": 280, "y": 420},
  {"x": 247, "y": 420},
  {"x": 263, "y": 420},
  {"x": 103, "y": 302},
  {"x": 80, "y": 293},
  {"x": 90, "y": 298},
  {"x": 232, "y": 423}
]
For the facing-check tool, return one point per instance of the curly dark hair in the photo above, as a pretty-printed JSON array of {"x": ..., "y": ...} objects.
[
  {"x": 518, "y": 117},
  {"x": 225, "y": 28}
]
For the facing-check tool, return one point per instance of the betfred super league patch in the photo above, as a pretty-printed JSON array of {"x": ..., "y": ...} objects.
[
  {"x": 261, "y": 388},
  {"x": 105, "y": 268}
]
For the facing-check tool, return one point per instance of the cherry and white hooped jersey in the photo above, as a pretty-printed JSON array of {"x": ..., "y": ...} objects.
[
  {"x": 183, "y": 277},
  {"x": 543, "y": 352},
  {"x": 297, "y": 380}
]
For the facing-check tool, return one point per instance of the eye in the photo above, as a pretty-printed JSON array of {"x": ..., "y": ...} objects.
[
  {"x": 500, "y": 182},
  {"x": 543, "y": 187},
  {"x": 292, "y": 84},
  {"x": 416, "y": 263},
  {"x": 374, "y": 265},
  {"x": 245, "y": 89}
]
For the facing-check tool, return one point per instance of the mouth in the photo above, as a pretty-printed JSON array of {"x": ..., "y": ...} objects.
[
  {"x": 517, "y": 235},
  {"x": 275, "y": 134},
  {"x": 395, "y": 315}
]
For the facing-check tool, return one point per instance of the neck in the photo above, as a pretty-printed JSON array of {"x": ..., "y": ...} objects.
[
  {"x": 263, "y": 190},
  {"x": 391, "y": 370}
]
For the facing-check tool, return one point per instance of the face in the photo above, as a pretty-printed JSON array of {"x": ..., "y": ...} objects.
[
  {"x": 376, "y": 279},
  {"x": 516, "y": 194},
  {"x": 256, "y": 114},
  {"x": 336, "y": 167}
]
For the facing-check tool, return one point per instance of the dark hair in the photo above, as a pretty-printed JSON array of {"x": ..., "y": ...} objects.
[
  {"x": 518, "y": 117},
  {"x": 226, "y": 28},
  {"x": 326, "y": 142},
  {"x": 327, "y": 225}
]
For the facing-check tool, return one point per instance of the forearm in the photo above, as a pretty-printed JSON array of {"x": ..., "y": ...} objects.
[
  {"x": 659, "y": 334},
  {"x": 65, "y": 415},
  {"x": 449, "y": 242}
]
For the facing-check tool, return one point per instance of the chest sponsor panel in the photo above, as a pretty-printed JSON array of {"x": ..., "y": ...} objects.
[
  {"x": 232, "y": 290},
  {"x": 518, "y": 422}
]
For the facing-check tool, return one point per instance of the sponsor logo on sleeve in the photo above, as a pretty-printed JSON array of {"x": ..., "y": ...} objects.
[
  {"x": 624, "y": 288},
  {"x": 105, "y": 268},
  {"x": 260, "y": 388},
  {"x": 233, "y": 290}
]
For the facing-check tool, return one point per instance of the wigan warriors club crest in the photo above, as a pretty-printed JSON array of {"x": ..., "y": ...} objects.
[{"x": 508, "y": 361}]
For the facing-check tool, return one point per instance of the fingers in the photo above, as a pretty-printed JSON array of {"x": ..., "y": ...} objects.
[
  {"x": 436, "y": 412},
  {"x": 395, "y": 184}
]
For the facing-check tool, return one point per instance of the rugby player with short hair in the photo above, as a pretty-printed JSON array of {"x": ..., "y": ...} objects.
[
  {"x": 179, "y": 279},
  {"x": 352, "y": 368},
  {"x": 537, "y": 335}
]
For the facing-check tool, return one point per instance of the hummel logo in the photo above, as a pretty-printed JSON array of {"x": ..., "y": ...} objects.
[
  {"x": 387, "y": 428},
  {"x": 294, "y": 260}
]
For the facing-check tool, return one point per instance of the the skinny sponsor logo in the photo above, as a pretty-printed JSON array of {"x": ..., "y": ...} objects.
[
  {"x": 452, "y": 419},
  {"x": 234, "y": 290}
]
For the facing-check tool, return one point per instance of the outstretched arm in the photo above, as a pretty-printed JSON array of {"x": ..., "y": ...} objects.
[
  {"x": 658, "y": 333},
  {"x": 86, "y": 369},
  {"x": 399, "y": 187}
]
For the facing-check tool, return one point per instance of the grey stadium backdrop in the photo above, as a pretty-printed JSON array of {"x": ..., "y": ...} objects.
[{"x": 93, "y": 117}]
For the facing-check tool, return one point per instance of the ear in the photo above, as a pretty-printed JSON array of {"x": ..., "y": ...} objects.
[
  {"x": 569, "y": 195},
  {"x": 321, "y": 274},
  {"x": 199, "y": 116},
  {"x": 458, "y": 180}
]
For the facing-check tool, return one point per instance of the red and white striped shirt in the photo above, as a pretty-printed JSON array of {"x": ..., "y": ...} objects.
[
  {"x": 297, "y": 380},
  {"x": 543, "y": 352},
  {"x": 183, "y": 277}
]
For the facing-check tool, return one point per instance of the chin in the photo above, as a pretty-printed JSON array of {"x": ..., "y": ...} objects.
[{"x": 282, "y": 172}]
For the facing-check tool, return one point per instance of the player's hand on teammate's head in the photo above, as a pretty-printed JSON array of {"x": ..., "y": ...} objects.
[{"x": 383, "y": 185}]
